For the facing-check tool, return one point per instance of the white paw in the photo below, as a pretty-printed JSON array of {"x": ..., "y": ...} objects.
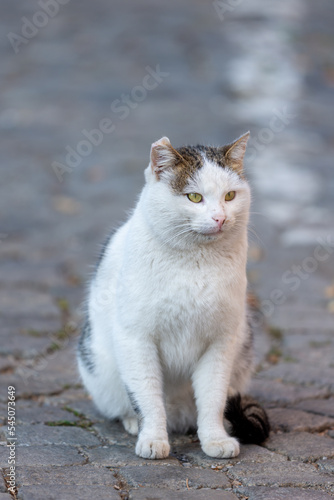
[
  {"x": 131, "y": 425},
  {"x": 222, "y": 448},
  {"x": 152, "y": 448}
]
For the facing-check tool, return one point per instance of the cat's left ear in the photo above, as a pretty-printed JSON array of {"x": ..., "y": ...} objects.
[
  {"x": 234, "y": 153},
  {"x": 162, "y": 155}
]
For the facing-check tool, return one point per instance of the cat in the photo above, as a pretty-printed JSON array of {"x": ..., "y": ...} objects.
[{"x": 166, "y": 345}]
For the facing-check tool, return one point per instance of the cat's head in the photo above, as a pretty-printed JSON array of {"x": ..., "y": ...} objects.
[{"x": 196, "y": 193}]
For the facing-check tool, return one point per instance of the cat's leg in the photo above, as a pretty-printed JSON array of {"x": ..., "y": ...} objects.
[
  {"x": 140, "y": 371},
  {"x": 131, "y": 425},
  {"x": 243, "y": 366},
  {"x": 210, "y": 381}
]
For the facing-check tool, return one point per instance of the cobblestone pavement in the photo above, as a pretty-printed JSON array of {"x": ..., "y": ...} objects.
[{"x": 196, "y": 72}]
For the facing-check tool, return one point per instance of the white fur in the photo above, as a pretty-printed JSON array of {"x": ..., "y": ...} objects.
[{"x": 167, "y": 309}]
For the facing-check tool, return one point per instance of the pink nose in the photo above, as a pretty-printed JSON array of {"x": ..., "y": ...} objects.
[{"x": 220, "y": 219}]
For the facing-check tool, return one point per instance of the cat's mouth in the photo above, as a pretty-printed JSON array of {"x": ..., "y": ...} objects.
[{"x": 212, "y": 232}]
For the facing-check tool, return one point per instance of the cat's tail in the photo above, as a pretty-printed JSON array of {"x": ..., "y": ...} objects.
[{"x": 249, "y": 421}]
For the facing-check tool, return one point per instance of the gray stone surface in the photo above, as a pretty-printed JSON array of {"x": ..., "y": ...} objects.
[
  {"x": 232, "y": 66},
  {"x": 301, "y": 445},
  {"x": 192, "y": 453},
  {"x": 173, "y": 477},
  {"x": 3, "y": 488},
  {"x": 75, "y": 475},
  {"x": 43, "y": 455},
  {"x": 202, "y": 494},
  {"x": 15, "y": 342},
  {"x": 114, "y": 433},
  {"x": 326, "y": 465},
  {"x": 27, "y": 303},
  {"x": 303, "y": 374},
  {"x": 287, "y": 419},
  {"x": 67, "y": 492},
  {"x": 318, "y": 406},
  {"x": 262, "y": 493},
  {"x": 36, "y": 414},
  {"x": 275, "y": 392},
  {"x": 120, "y": 456},
  {"x": 280, "y": 474},
  {"x": 85, "y": 407},
  {"x": 40, "y": 434}
]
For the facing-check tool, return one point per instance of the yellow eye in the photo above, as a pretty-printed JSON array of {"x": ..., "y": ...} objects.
[
  {"x": 230, "y": 195},
  {"x": 194, "y": 197}
]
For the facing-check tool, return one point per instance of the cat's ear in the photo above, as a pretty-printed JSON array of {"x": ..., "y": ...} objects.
[
  {"x": 162, "y": 155},
  {"x": 234, "y": 153}
]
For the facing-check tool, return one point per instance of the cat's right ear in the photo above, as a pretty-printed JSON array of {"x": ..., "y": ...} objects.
[{"x": 162, "y": 156}]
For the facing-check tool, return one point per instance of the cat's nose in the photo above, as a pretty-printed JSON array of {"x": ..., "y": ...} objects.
[{"x": 220, "y": 219}]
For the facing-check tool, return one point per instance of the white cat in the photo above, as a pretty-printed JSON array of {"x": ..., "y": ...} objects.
[{"x": 166, "y": 340}]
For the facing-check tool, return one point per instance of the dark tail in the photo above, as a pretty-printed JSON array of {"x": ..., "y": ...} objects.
[{"x": 250, "y": 423}]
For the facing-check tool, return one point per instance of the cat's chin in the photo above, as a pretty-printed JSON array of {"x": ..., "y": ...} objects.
[{"x": 209, "y": 236}]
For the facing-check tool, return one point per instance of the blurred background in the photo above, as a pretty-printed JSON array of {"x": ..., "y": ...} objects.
[{"x": 86, "y": 87}]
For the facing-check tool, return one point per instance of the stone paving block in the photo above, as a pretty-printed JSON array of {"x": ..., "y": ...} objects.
[
  {"x": 23, "y": 345},
  {"x": 280, "y": 474},
  {"x": 326, "y": 465},
  {"x": 40, "y": 434},
  {"x": 66, "y": 397},
  {"x": 7, "y": 363},
  {"x": 64, "y": 361},
  {"x": 32, "y": 413},
  {"x": 300, "y": 316},
  {"x": 29, "y": 383},
  {"x": 3, "y": 411},
  {"x": 202, "y": 494},
  {"x": 301, "y": 445},
  {"x": 313, "y": 348},
  {"x": 24, "y": 324},
  {"x": 286, "y": 419},
  {"x": 272, "y": 393},
  {"x": 303, "y": 374},
  {"x": 66, "y": 492},
  {"x": 193, "y": 454},
  {"x": 173, "y": 477},
  {"x": 43, "y": 455},
  {"x": 318, "y": 406},
  {"x": 27, "y": 303},
  {"x": 29, "y": 274},
  {"x": 120, "y": 456},
  {"x": 87, "y": 408},
  {"x": 6, "y": 496},
  {"x": 262, "y": 493},
  {"x": 113, "y": 432},
  {"x": 3, "y": 488},
  {"x": 72, "y": 475}
]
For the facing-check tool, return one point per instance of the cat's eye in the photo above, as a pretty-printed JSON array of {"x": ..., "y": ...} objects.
[
  {"x": 230, "y": 195},
  {"x": 195, "y": 197}
]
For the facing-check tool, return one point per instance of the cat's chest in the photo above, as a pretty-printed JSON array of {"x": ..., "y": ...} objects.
[{"x": 185, "y": 294}]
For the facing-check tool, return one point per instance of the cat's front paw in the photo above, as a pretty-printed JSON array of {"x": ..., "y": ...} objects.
[
  {"x": 223, "y": 448},
  {"x": 152, "y": 448}
]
